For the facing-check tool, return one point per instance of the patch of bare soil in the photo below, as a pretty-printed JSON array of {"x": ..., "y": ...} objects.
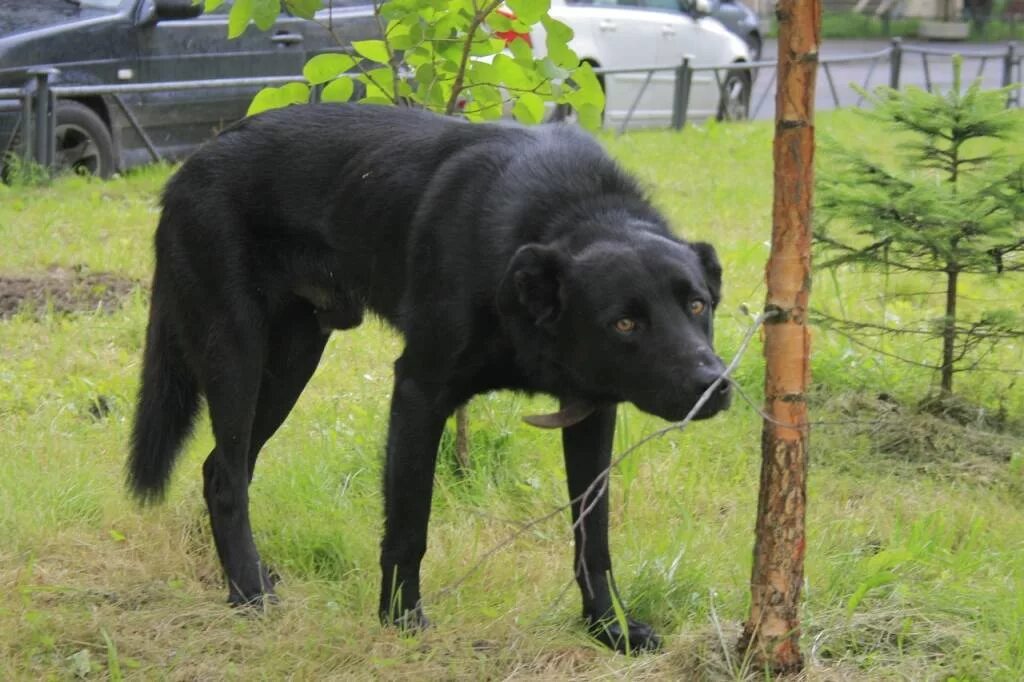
[{"x": 64, "y": 290}]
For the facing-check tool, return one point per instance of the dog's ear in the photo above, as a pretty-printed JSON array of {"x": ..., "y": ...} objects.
[
  {"x": 712, "y": 269},
  {"x": 533, "y": 283}
]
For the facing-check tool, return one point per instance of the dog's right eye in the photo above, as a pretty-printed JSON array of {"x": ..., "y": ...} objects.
[{"x": 625, "y": 325}]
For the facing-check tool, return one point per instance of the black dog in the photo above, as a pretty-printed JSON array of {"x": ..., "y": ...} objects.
[{"x": 507, "y": 257}]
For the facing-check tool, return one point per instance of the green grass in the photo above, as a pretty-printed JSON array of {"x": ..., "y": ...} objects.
[
  {"x": 913, "y": 571},
  {"x": 851, "y": 26}
]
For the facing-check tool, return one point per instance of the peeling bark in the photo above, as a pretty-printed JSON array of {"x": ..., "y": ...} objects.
[{"x": 772, "y": 632}]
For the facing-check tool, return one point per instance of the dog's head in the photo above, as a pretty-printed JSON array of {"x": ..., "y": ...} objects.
[{"x": 624, "y": 319}]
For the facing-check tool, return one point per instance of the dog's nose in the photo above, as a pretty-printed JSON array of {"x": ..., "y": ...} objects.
[
  {"x": 721, "y": 389},
  {"x": 707, "y": 373}
]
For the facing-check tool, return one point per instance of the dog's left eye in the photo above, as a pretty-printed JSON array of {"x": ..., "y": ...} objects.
[
  {"x": 698, "y": 307},
  {"x": 625, "y": 325}
]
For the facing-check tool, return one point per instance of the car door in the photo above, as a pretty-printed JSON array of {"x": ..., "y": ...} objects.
[
  {"x": 616, "y": 34},
  {"x": 199, "y": 49},
  {"x": 338, "y": 24},
  {"x": 681, "y": 35}
]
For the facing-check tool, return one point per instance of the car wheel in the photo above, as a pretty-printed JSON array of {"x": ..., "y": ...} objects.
[
  {"x": 565, "y": 113},
  {"x": 83, "y": 144},
  {"x": 734, "y": 101},
  {"x": 755, "y": 46}
]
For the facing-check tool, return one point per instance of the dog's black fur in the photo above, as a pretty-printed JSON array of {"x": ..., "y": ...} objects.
[{"x": 507, "y": 257}]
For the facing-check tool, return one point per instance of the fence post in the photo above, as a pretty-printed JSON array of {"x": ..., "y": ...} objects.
[
  {"x": 44, "y": 114},
  {"x": 1008, "y": 63},
  {"x": 28, "y": 136},
  {"x": 895, "y": 60},
  {"x": 681, "y": 94}
]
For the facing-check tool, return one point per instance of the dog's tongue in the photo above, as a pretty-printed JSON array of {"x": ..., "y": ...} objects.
[{"x": 572, "y": 413}]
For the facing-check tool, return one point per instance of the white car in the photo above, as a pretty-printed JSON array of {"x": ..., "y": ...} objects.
[{"x": 621, "y": 34}]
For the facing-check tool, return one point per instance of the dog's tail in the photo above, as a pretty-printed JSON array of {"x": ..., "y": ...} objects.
[{"x": 168, "y": 403}]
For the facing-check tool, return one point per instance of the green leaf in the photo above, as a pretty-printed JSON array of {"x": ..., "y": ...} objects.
[
  {"x": 561, "y": 54},
  {"x": 306, "y": 9},
  {"x": 529, "y": 11},
  {"x": 404, "y": 35},
  {"x": 377, "y": 99},
  {"x": 451, "y": 51},
  {"x": 529, "y": 108},
  {"x": 238, "y": 19},
  {"x": 211, "y": 5},
  {"x": 294, "y": 93},
  {"x": 486, "y": 47},
  {"x": 425, "y": 74},
  {"x": 374, "y": 50},
  {"x": 556, "y": 30},
  {"x": 483, "y": 72},
  {"x": 551, "y": 71},
  {"x": 379, "y": 85},
  {"x": 511, "y": 73},
  {"x": 325, "y": 67},
  {"x": 265, "y": 13},
  {"x": 485, "y": 103},
  {"x": 276, "y": 98},
  {"x": 265, "y": 99},
  {"x": 588, "y": 87},
  {"x": 498, "y": 21},
  {"x": 521, "y": 52},
  {"x": 589, "y": 116},
  {"x": 338, "y": 90}
]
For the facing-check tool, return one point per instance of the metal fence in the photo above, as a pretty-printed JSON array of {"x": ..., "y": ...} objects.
[
  {"x": 40, "y": 94},
  {"x": 893, "y": 58}
]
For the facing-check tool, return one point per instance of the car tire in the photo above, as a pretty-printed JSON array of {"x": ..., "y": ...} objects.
[
  {"x": 83, "y": 144},
  {"x": 565, "y": 113},
  {"x": 734, "y": 100}
]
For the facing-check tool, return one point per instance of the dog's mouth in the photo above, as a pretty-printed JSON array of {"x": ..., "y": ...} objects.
[
  {"x": 572, "y": 413},
  {"x": 678, "y": 408},
  {"x": 575, "y": 411}
]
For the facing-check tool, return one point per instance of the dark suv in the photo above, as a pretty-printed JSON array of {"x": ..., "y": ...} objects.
[{"x": 95, "y": 42}]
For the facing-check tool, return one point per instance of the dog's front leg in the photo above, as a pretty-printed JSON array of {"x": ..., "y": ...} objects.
[
  {"x": 588, "y": 450},
  {"x": 417, "y": 420}
]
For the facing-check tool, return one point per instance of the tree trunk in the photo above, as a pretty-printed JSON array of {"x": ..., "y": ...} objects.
[
  {"x": 949, "y": 332},
  {"x": 462, "y": 438},
  {"x": 771, "y": 635}
]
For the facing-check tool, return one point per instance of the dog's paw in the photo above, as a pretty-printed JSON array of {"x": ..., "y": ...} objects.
[
  {"x": 640, "y": 637},
  {"x": 254, "y": 602},
  {"x": 410, "y": 621},
  {"x": 255, "y": 589}
]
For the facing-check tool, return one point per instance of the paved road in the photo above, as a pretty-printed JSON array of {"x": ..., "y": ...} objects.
[{"x": 874, "y": 72}]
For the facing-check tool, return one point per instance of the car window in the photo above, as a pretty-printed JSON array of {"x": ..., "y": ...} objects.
[
  {"x": 606, "y": 3},
  {"x": 664, "y": 5}
]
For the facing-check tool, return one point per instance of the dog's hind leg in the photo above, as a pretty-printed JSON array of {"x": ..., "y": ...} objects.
[
  {"x": 296, "y": 343},
  {"x": 288, "y": 358},
  {"x": 233, "y": 369},
  {"x": 588, "y": 449}
]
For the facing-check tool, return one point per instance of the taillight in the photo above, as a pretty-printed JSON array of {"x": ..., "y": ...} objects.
[{"x": 510, "y": 35}]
